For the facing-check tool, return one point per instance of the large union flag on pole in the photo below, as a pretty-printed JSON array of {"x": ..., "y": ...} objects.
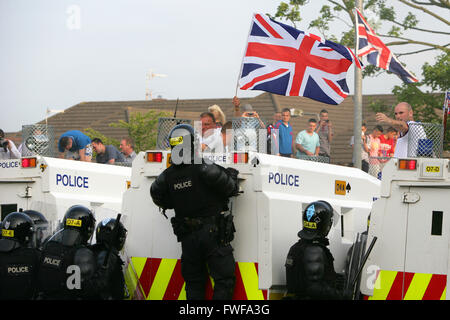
[
  {"x": 286, "y": 61},
  {"x": 378, "y": 54}
]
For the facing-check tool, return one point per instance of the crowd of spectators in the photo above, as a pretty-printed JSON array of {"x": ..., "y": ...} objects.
[
  {"x": 219, "y": 135},
  {"x": 76, "y": 145},
  {"x": 315, "y": 141}
]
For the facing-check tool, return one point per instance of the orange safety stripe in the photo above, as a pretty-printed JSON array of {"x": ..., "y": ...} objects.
[
  {"x": 161, "y": 279},
  {"x": 396, "y": 285}
]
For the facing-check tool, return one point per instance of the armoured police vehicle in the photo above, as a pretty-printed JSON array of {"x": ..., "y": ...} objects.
[
  {"x": 410, "y": 232},
  {"x": 267, "y": 217},
  {"x": 51, "y": 185}
]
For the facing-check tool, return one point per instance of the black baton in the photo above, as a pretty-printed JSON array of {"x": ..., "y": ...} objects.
[{"x": 113, "y": 234}]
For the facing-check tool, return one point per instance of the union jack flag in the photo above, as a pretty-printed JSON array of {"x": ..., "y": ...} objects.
[
  {"x": 286, "y": 61},
  {"x": 378, "y": 54}
]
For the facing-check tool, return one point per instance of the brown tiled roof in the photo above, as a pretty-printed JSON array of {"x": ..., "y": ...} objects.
[{"x": 98, "y": 115}]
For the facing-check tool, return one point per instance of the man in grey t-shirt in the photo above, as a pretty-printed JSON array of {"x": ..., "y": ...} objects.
[
  {"x": 106, "y": 154},
  {"x": 325, "y": 131}
]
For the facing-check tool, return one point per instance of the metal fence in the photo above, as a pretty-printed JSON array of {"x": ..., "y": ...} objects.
[
  {"x": 315, "y": 158},
  {"x": 425, "y": 140},
  {"x": 38, "y": 139},
  {"x": 376, "y": 165},
  {"x": 165, "y": 125},
  {"x": 247, "y": 135}
]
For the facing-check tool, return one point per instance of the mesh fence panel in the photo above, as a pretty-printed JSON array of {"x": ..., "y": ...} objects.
[
  {"x": 376, "y": 165},
  {"x": 315, "y": 158},
  {"x": 247, "y": 135},
  {"x": 165, "y": 125},
  {"x": 38, "y": 139},
  {"x": 425, "y": 140}
]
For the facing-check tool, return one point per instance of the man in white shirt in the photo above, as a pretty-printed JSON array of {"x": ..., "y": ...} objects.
[
  {"x": 404, "y": 117},
  {"x": 8, "y": 149},
  {"x": 210, "y": 137}
]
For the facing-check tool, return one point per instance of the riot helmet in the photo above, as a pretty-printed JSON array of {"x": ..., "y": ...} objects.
[
  {"x": 182, "y": 143},
  {"x": 41, "y": 226},
  {"x": 17, "y": 229},
  {"x": 79, "y": 221},
  {"x": 317, "y": 220},
  {"x": 104, "y": 233}
]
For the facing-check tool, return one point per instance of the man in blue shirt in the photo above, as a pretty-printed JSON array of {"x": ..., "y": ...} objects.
[
  {"x": 77, "y": 144},
  {"x": 285, "y": 137}
]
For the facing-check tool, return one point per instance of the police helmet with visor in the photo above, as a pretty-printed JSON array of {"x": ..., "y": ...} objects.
[
  {"x": 41, "y": 225},
  {"x": 17, "y": 229},
  {"x": 317, "y": 220},
  {"x": 79, "y": 219},
  {"x": 182, "y": 139},
  {"x": 105, "y": 234}
]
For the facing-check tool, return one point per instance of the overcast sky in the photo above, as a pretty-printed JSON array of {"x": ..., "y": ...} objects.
[{"x": 57, "y": 53}]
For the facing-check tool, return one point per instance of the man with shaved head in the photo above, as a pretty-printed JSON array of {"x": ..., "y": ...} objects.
[{"x": 404, "y": 117}]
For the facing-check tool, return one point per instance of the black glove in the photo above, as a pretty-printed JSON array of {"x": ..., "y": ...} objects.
[{"x": 232, "y": 172}]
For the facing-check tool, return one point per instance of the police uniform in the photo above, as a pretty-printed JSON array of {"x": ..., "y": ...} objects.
[
  {"x": 41, "y": 224},
  {"x": 309, "y": 265},
  {"x": 109, "y": 243},
  {"x": 198, "y": 193},
  {"x": 68, "y": 267},
  {"x": 18, "y": 261}
]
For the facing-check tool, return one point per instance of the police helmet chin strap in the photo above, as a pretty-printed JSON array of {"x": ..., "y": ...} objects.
[{"x": 163, "y": 212}]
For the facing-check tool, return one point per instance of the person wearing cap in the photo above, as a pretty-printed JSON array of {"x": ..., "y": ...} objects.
[
  {"x": 247, "y": 111},
  {"x": 246, "y": 135}
]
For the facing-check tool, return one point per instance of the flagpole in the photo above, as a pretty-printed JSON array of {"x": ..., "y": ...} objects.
[
  {"x": 357, "y": 99},
  {"x": 243, "y": 56},
  {"x": 446, "y": 111}
]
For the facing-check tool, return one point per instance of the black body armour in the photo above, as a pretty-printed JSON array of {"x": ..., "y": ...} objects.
[
  {"x": 56, "y": 258},
  {"x": 310, "y": 272},
  {"x": 18, "y": 269},
  {"x": 189, "y": 195},
  {"x": 113, "y": 279}
]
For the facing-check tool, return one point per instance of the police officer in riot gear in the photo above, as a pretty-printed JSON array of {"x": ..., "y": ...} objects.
[
  {"x": 198, "y": 192},
  {"x": 110, "y": 237},
  {"x": 68, "y": 267},
  {"x": 18, "y": 258},
  {"x": 41, "y": 226},
  {"x": 309, "y": 265}
]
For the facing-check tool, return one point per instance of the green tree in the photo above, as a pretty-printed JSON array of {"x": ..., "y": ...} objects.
[
  {"x": 342, "y": 11},
  {"x": 92, "y": 133},
  {"x": 142, "y": 128}
]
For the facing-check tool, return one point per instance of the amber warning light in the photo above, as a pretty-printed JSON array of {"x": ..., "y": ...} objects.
[
  {"x": 407, "y": 164},
  {"x": 154, "y": 156},
  {"x": 240, "y": 157},
  {"x": 28, "y": 162}
]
